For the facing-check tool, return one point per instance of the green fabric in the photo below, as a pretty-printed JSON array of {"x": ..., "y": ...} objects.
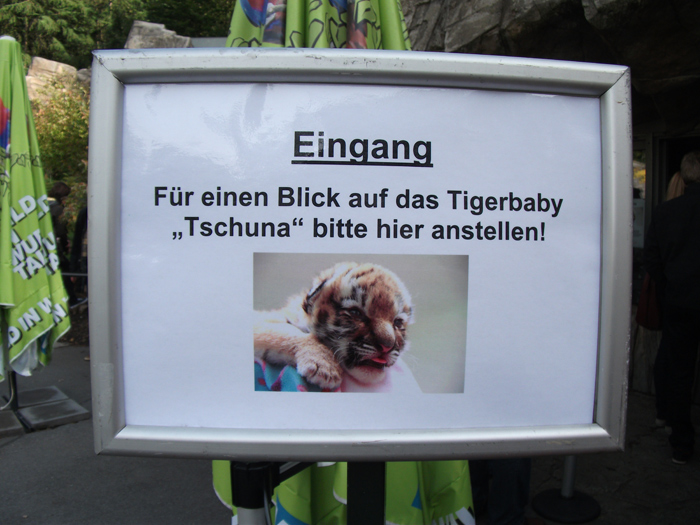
[
  {"x": 359, "y": 24},
  {"x": 417, "y": 493},
  {"x": 33, "y": 301}
]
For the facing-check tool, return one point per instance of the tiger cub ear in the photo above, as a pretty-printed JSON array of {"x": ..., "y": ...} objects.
[
  {"x": 329, "y": 275},
  {"x": 312, "y": 295}
]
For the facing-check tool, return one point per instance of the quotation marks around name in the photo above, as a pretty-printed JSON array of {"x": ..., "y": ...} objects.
[{"x": 234, "y": 228}]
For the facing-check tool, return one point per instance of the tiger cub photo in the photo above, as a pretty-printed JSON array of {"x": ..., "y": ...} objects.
[{"x": 352, "y": 321}]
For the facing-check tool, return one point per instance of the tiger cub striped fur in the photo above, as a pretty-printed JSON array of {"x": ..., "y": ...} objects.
[{"x": 352, "y": 320}]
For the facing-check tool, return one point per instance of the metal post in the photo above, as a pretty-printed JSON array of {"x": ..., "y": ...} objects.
[
  {"x": 568, "y": 476},
  {"x": 14, "y": 400},
  {"x": 251, "y": 516},
  {"x": 566, "y": 505},
  {"x": 12, "y": 376}
]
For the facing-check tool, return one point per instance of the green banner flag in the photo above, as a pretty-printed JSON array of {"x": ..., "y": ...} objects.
[
  {"x": 357, "y": 24},
  {"x": 33, "y": 301}
]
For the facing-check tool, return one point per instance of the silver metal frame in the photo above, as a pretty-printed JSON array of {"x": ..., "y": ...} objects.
[{"x": 112, "y": 70}]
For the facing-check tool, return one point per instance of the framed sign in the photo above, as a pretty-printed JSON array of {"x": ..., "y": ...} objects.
[{"x": 330, "y": 255}]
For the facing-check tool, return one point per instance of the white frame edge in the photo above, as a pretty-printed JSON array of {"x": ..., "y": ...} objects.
[{"x": 112, "y": 70}]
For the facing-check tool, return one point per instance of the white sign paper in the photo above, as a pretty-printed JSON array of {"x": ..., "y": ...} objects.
[{"x": 486, "y": 205}]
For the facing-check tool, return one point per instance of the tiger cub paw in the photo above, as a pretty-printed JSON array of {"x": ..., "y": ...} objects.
[{"x": 320, "y": 369}]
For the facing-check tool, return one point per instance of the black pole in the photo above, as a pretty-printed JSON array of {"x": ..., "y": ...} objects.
[
  {"x": 252, "y": 485},
  {"x": 366, "y": 491},
  {"x": 252, "y": 482},
  {"x": 12, "y": 383},
  {"x": 14, "y": 399}
]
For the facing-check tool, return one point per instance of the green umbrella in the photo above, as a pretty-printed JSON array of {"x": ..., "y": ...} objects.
[
  {"x": 357, "y": 24},
  {"x": 33, "y": 301},
  {"x": 421, "y": 492}
]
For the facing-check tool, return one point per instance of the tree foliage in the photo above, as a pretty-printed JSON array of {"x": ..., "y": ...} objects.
[
  {"x": 193, "y": 18},
  {"x": 60, "y": 30},
  {"x": 69, "y": 30},
  {"x": 61, "y": 116},
  {"x": 114, "y": 23}
]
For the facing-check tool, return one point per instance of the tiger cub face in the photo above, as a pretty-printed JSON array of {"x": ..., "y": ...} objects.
[{"x": 360, "y": 312}]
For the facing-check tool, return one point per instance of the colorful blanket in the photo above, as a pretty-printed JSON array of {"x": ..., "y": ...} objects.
[
  {"x": 282, "y": 378},
  {"x": 285, "y": 378}
]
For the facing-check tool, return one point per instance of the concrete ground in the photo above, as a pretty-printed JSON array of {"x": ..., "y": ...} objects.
[
  {"x": 638, "y": 486},
  {"x": 54, "y": 477}
]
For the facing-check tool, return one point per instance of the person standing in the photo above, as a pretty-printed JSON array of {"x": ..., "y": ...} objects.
[
  {"x": 662, "y": 380},
  {"x": 672, "y": 258}
]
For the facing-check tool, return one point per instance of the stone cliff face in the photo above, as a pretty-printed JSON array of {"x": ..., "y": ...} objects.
[{"x": 658, "y": 39}]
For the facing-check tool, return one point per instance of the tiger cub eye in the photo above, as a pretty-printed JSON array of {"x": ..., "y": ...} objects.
[{"x": 355, "y": 312}]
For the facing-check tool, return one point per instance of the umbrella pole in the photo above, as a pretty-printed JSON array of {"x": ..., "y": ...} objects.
[
  {"x": 366, "y": 492},
  {"x": 252, "y": 485},
  {"x": 14, "y": 398},
  {"x": 12, "y": 377}
]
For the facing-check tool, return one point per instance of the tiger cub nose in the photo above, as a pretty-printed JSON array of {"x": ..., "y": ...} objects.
[{"x": 384, "y": 336}]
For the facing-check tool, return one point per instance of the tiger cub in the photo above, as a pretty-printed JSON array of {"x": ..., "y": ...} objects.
[{"x": 352, "y": 320}]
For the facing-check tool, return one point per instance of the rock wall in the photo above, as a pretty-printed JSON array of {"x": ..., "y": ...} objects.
[
  {"x": 41, "y": 70},
  {"x": 658, "y": 39},
  {"x": 147, "y": 35}
]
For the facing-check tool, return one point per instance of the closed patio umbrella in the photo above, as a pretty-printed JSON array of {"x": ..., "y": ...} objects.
[
  {"x": 417, "y": 492},
  {"x": 355, "y": 24},
  {"x": 33, "y": 301}
]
